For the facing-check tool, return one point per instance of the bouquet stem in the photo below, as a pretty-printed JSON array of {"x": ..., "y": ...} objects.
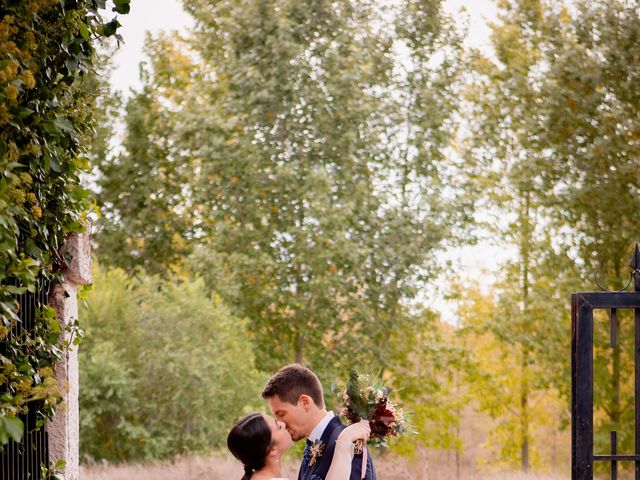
[{"x": 358, "y": 446}]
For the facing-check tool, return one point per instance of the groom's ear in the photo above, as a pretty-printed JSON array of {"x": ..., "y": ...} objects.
[{"x": 306, "y": 401}]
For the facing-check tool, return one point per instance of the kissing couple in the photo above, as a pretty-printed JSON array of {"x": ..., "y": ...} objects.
[{"x": 295, "y": 397}]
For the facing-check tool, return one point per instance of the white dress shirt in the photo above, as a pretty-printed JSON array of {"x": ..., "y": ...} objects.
[{"x": 319, "y": 429}]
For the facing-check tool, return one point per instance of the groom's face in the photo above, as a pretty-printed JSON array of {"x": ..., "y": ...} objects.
[{"x": 293, "y": 416}]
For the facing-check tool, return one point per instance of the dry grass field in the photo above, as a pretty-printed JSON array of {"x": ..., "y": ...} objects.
[{"x": 223, "y": 468}]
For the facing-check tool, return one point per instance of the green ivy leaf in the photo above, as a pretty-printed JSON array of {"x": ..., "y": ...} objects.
[
  {"x": 110, "y": 28},
  {"x": 122, "y": 6},
  {"x": 64, "y": 124},
  {"x": 54, "y": 165},
  {"x": 15, "y": 290},
  {"x": 13, "y": 427},
  {"x": 39, "y": 143},
  {"x": 84, "y": 31}
]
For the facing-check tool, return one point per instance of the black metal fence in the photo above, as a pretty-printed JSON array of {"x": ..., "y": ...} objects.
[
  {"x": 582, "y": 340},
  {"x": 24, "y": 460}
]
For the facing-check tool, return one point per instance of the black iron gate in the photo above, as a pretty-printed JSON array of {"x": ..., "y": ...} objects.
[
  {"x": 582, "y": 307},
  {"x": 24, "y": 460}
]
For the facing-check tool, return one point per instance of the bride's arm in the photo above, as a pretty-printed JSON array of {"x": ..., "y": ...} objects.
[{"x": 342, "y": 455}]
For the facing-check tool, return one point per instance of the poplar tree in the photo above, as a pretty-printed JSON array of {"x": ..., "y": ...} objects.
[
  {"x": 591, "y": 99},
  {"x": 507, "y": 159},
  {"x": 315, "y": 169},
  {"x": 557, "y": 122}
]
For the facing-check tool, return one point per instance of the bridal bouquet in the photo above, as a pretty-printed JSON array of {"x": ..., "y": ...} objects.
[{"x": 365, "y": 398}]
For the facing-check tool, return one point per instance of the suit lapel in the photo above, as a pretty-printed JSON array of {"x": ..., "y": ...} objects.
[
  {"x": 328, "y": 438},
  {"x": 328, "y": 432}
]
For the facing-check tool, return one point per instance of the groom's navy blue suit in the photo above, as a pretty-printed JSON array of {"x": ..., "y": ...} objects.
[{"x": 319, "y": 470}]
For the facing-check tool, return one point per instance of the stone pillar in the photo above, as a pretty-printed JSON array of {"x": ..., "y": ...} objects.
[{"x": 64, "y": 428}]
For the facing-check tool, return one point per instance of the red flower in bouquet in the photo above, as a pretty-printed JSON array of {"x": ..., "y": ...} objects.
[
  {"x": 383, "y": 421},
  {"x": 366, "y": 398}
]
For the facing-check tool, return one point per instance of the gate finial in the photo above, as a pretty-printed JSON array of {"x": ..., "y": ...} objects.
[{"x": 635, "y": 267}]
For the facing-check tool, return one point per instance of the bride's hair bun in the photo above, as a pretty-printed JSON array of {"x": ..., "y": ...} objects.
[{"x": 249, "y": 441}]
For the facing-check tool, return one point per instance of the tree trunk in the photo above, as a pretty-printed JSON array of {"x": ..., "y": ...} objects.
[
  {"x": 458, "y": 414},
  {"x": 525, "y": 256},
  {"x": 524, "y": 412}
]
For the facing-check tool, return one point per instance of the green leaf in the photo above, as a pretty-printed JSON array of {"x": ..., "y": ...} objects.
[
  {"x": 54, "y": 326},
  {"x": 110, "y": 28},
  {"x": 122, "y": 6},
  {"x": 15, "y": 290},
  {"x": 71, "y": 64},
  {"x": 84, "y": 31},
  {"x": 13, "y": 426},
  {"x": 54, "y": 165},
  {"x": 24, "y": 112},
  {"x": 63, "y": 123}
]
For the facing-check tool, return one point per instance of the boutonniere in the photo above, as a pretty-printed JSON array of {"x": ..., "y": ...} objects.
[{"x": 316, "y": 451}]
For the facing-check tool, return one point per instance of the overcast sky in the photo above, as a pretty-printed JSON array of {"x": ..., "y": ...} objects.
[{"x": 472, "y": 262}]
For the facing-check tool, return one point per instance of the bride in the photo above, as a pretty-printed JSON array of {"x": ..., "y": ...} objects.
[{"x": 258, "y": 441}]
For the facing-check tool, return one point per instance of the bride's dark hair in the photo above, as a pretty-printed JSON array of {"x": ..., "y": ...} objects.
[{"x": 249, "y": 441}]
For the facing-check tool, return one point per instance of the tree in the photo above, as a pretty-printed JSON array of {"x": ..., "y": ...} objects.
[
  {"x": 506, "y": 136},
  {"x": 144, "y": 186},
  {"x": 559, "y": 105},
  {"x": 430, "y": 373},
  {"x": 299, "y": 150},
  {"x": 510, "y": 161},
  {"x": 591, "y": 129},
  {"x": 165, "y": 368},
  {"x": 291, "y": 130},
  {"x": 495, "y": 337}
]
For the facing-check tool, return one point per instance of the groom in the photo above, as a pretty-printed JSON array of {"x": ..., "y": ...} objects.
[{"x": 295, "y": 397}]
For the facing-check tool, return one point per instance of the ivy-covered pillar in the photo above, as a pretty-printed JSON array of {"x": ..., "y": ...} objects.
[{"x": 64, "y": 428}]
